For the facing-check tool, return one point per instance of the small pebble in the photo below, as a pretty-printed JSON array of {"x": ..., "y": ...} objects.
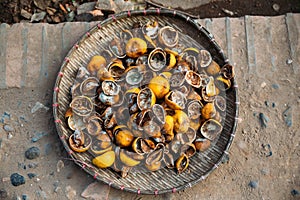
[
  {"x": 9, "y": 136},
  {"x": 263, "y": 84},
  {"x": 295, "y": 192},
  {"x": 32, "y": 165},
  {"x": 31, "y": 175},
  {"x": 273, "y": 105},
  {"x": 22, "y": 166},
  {"x": 275, "y": 86},
  {"x": 23, "y": 118},
  {"x": 289, "y": 61},
  {"x": 55, "y": 19},
  {"x": 24, "y": 197},
  {"x": 6, "y": 114},
  {"x": 267, "y": 103},
  {"x": 70, "y": 16},
  {"x": 17, "y": 179},
  {"x": 264, "y": 172},
  {"x": 70, "y": 192},
  {"x": 38, "y": 136},
  {"x": 60, "y": 165},
  {"x": 39, "y": 105},
  {"x": 32, "y": 153},
  {"x": 276, "y": 7},
  {"x": 57, "y": 189},
  {"x": 267, "y": 147},
  {"x": 225, "y": 159},
  {"x": 3, "y": 194},
  {"x": 24, "y": 13},
  {"x": 5, "y": 117},
  {"x": 5, "y": 179},
  {"x": 41, "y": 194},
  {"x": 36, "y": 17},
  {"x": 8, "y": 128},
  {"x": 228, "y": 12},
  {"x": 56, "y": 186},
  {"x": 50, "y": 11},
  {"x": 244, "y": 131},
  {"x": 56, "y": 183},
  {"x": 263, "y": 120},
  {"x": 253, "y": 184},
  {"x": 287, "y": 117}
]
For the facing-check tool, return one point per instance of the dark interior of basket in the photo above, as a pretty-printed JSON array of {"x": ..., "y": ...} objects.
[{"x": 163, "y": 180}]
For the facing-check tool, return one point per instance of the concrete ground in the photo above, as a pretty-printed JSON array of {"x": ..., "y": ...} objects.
[{"x": 266, "y": 54}]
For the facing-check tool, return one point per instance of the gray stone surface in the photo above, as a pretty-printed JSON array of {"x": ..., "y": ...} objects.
[
  {"x": 3, "y": 38},
  {"x": 187, "y": 4}
]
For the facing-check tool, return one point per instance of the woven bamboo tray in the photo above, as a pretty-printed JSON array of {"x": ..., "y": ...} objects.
[{"x": 164, "y": 180}]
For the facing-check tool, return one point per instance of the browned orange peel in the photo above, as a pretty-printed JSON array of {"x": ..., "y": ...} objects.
[
  {"x": 96, "y": 148},
  {"x": 82, "y": 105},
  {"x": 202, "y": 144},
  {"x": 148, "y": 101},
  {"x": 105, "y": 160},
  {"x": 182, "y": 163},
  {"x": 80, "y": 144},
  {"x": 213, "y": 69},
  {"x": 69, "y": 112},
  {"x": 96, "y": 63},
  {"x": 123, "y": 136},
  {"x": 127, "y": 159},
  {"x": 136, "y": 47},
  {"x": 181, "y": 121},
  {"x": 70, "y": 120},
  {"x": 145, "y": 98},
  {"x": 160, "y": 86}
]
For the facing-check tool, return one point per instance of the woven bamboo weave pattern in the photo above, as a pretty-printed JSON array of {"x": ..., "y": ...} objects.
[{"x": 164, "y": 180}]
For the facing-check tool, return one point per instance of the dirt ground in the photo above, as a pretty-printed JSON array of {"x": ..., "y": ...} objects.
[
  {"x": 263, "y": 160},
  {"x": 267, "y": 158}
]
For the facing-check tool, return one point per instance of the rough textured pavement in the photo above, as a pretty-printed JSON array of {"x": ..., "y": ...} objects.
[{"x": 266, "y": 54}]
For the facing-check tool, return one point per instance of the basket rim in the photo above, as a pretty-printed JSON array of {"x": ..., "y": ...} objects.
[{"x": 156, "y": 12}]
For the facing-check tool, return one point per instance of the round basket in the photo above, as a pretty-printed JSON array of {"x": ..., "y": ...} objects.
[{"x": 163, "y": 180}]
